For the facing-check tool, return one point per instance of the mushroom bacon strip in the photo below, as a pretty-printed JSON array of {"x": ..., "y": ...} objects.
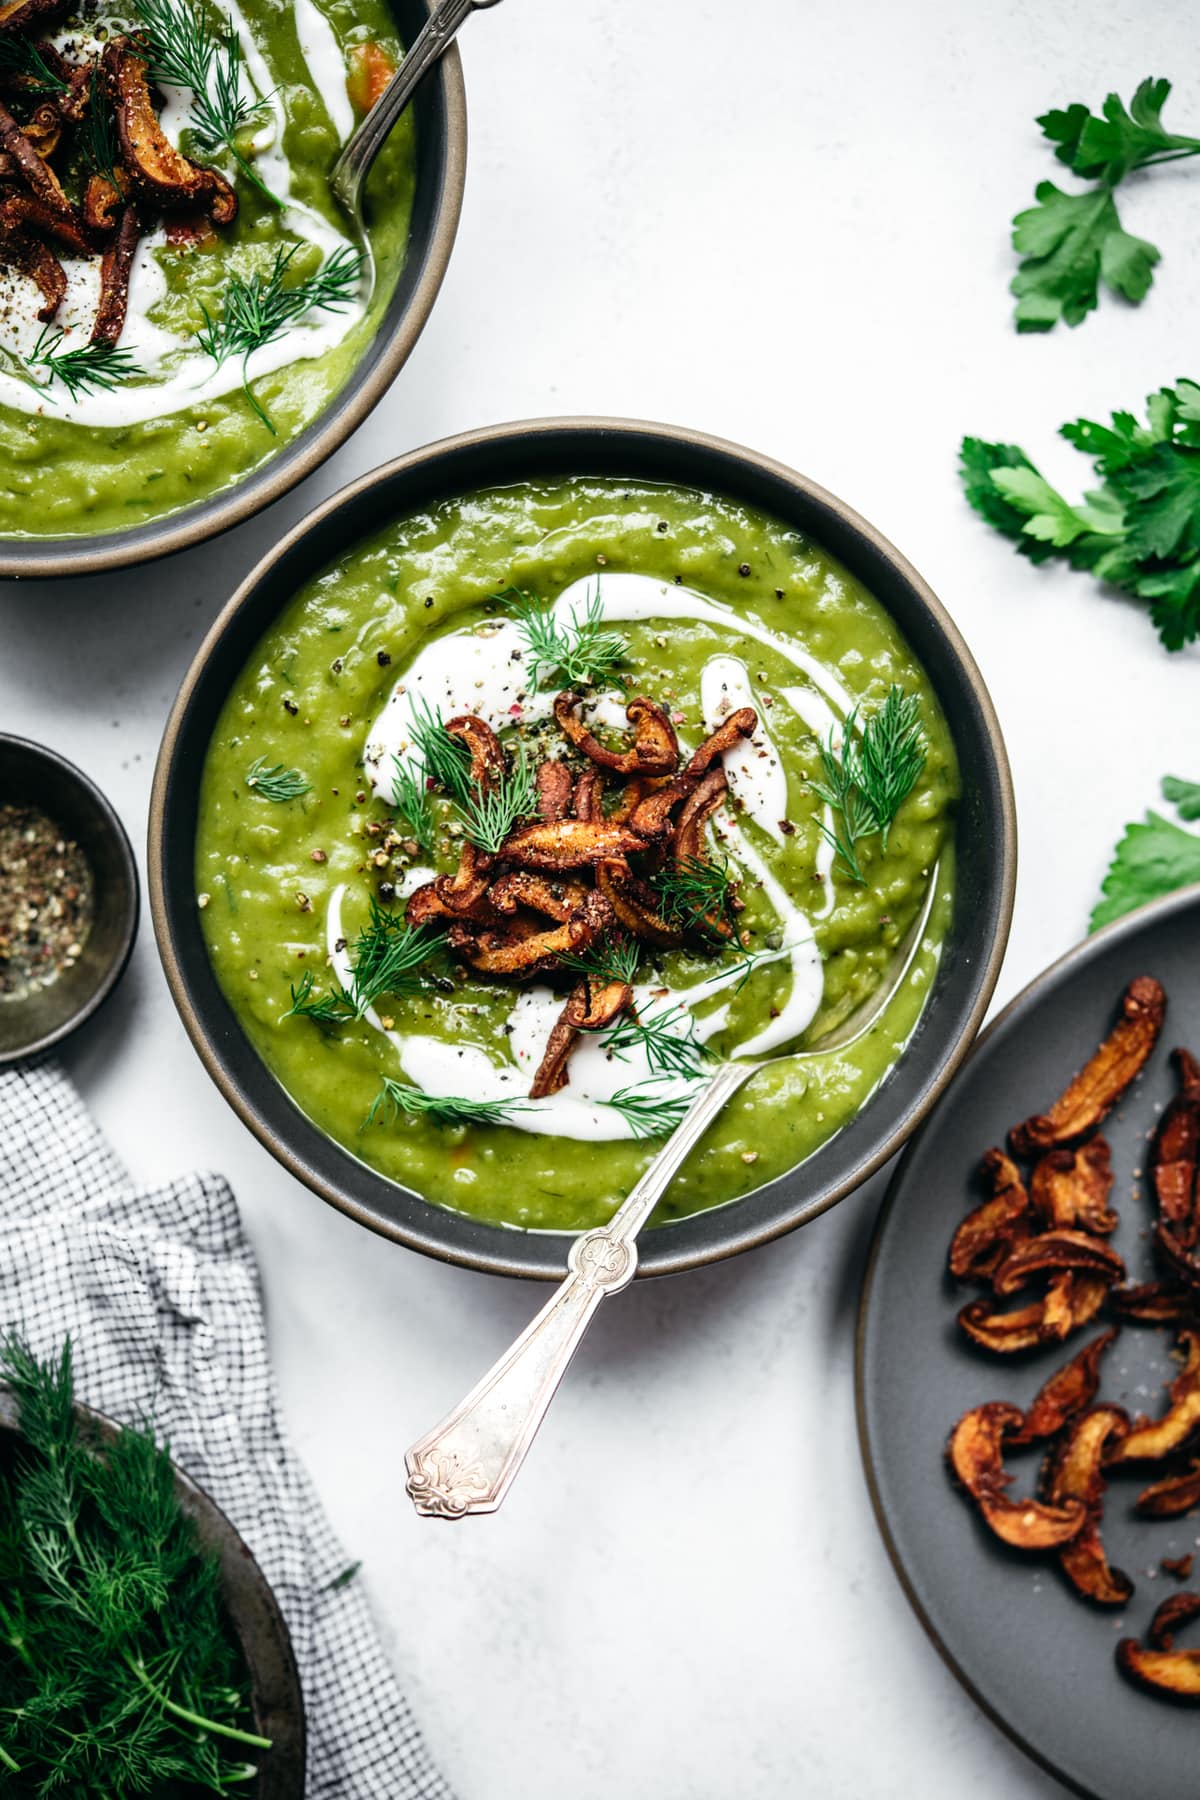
[
  {"x": 584, "y": 1011},
  {"x": 527, "y": 887},
  {"x": 688, "y": 842},
  {"x": 987, "y": 1235},
  {"x": 487, "y": 758},
  {"x": 976, "y": 1457},
  {"x": 1156, "y": 1303},
  {"x": 1152, "y": 1439},
  {"x": 1075, "y": 1472},
  {"x": 19, "y": 15},
  {"x": 1087, "y": 1100},
  {"x": 1160, "y": 1667},
  {"x": 653, "y": 816},
  {"x": 1175, "y": 1157},
  {"x": 34, "y": 259},
  {"x": 116, "y": 267},
  {"x": 1066, "y": 1393},
  {"x": 25, "y": 212},
  {"x": 102, "y": 203},
  {"x": 525, "y": 953},
  {"x": 1070, "y": 1301},
  {"x": 155, "y": 167},
  {"x": 1070, "y": 1188},
  {"x": 463, "y": 895},
  {"x": 636, "y": 905},
  {"x": 35, "y": 173},
  {"x": 569, "y": 844},
  {"x": 1171, "y": 1497},
  {"x": 1056, "y": 1251},
  {"x": 655, "y": 749},
  {"x": 554, "y": 790}
]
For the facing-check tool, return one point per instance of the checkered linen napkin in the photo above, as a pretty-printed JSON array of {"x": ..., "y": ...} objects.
[{"x": 159, "y": 1291}]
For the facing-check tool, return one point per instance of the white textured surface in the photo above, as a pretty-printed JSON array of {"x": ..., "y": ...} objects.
[{"x": 786, "y": 223}]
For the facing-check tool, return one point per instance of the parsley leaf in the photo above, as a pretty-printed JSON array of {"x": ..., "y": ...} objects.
[
  {"x": 1153, "y": 858},
  {"x": 1139, "y": 531},
  {"x": 1071, "y": 244}
]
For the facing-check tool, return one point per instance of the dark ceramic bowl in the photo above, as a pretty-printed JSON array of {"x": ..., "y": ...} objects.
[
  {"x": 251, "y": 1609},
  {"x": 31, "y": 775},
  {"x": 985, "y": 845},
  {"x": 440, "y": 108}
]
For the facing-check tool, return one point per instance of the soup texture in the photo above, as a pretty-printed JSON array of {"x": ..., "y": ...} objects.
[
  {"x": 310, "y": 845},
  {"x": 182, "y": 404}
]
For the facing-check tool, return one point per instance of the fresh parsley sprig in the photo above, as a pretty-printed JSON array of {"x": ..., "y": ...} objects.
[
  {"x": 665, "y": 1036},
  {"x": 258, "y": 311},
  {"x": 1071, "y": 243},
  {"x": 1139, "y": 530},
  {"x": 1155, "y": 856},
  {"x": 273, "y": 781},
  {"x": 186, "y": 51},
  {"x": 869, "y": 777},
  {"x": 85, "y": 369},
  {"x": 396, "y": 1099},
  {"x": 578, "y": 654}
]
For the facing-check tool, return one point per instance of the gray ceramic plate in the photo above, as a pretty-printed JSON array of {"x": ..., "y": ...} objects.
[{"x": 1037, "y": 1659}]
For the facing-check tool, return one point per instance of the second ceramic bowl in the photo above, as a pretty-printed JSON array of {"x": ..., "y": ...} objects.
[{"x": 985, "y": 841}]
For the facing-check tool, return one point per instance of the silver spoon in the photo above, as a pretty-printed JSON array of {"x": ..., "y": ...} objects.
[
  {"x": 352, "y": 167},
  {"x": 468, "y": 1463}
]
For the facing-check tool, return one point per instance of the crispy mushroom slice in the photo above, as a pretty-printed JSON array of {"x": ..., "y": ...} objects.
[
  {"x": 651, "y": 817},
  {"x": 19, "y": 15},
  {"x": 1182, "y": 1263},
  {"x": 632, "y": 795},
  {"x": 1172, "y": 1496},
  {"x": 1156, "y": 1303},
  {"x": 586, "y": 1010},
  {"x": 524, "y": 954},
  {"x": 115, "y": 268},
  {"x": 740, "y": 724},
  {"x": 1152, "y": 1439},
  {"x": 1070, "y": 1301},
  {"x": 586, "y": 800},
  {"x": 1175, "y": 1156},
  {"x": 36, "y": 174},
  {"x": 25, "y": 212},
  {"x": 159, "y": 171},
  {"x": 1057, "y": 1251},
  {"x": 1070, "y": 1188},
  {"x": 697, "y": 809},
  {"x": 568, "y": 844},
  {"x": 103, "y": 204},
  {"x": 655, "y": 748},
  {"x": 463, "y": 895},
  {"x": 976, "y": 1457},
  {"x": 554, "y": 790},
  {"x": 1075, "y": 1472},
  {"x": 44, "y": 129},
  {"x": 1089, "y": 1098},
  {"x": 526, "y": 887},
  {"x": 636, "y": 905},
  {"x": 1157, "y": 1665},
  {"x": 1066, "y": 1393},
  {"x": 988, "y": 1234},
  {"x": 487, "y": 758},
  {"x": 36, "y": 260}
]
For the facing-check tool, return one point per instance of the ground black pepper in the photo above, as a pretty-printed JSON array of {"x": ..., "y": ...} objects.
[{"x": 46, "y": 901}]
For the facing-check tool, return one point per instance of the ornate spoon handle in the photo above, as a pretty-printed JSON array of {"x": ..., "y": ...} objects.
[
  {"x": 468, "y": 1462},
  {"x": 350, "y": 171}
]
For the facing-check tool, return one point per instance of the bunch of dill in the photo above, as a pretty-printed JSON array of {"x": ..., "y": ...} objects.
[{"x": 118, "y": 1675}]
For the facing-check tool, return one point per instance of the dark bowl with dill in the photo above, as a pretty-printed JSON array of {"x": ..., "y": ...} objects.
[
  {"x": 957, "y": 989},
  {"x": 69, "y": 898},
  {"x": 141, "y": 1648}
]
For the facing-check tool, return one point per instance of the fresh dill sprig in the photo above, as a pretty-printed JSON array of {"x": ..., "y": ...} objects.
[
  {"x": 697, "y": 894},
  {"x": 327, "y": 1010},
  {"x": 579, "y": 654},
  {"x": 87, "y": 369},
  {"x": 649, "y": 1114},
  {"x": 97, "y": 134},
  {"x": 186, "y": 51},
  {"x": 666, "y": 1038},
  {"x": 411, "y": 798},
  {"x": 445, "y": 759},
  {"x": 387, "y": 954},
  {"x": 259, "y": 310},
  {"x": 610, "y": 959},
  {"x": 275, "y": 782},
  {"x": 867, "y": 782},
  {"x": 120, "y": 1675},
  {"x": 396, "y": 1097},
  {"x": 489, "y": 815},
  {"x": 21, "y": 57}
]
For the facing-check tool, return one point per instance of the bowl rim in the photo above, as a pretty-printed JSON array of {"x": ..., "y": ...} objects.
[
  {"x": 238, "y": 1564},
  {"x": 69, "y": 555},
  {"x": 110, "y": 822},
  {"x": 497, "y": 1249},
  {"x": 1027, "y": 998}
]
